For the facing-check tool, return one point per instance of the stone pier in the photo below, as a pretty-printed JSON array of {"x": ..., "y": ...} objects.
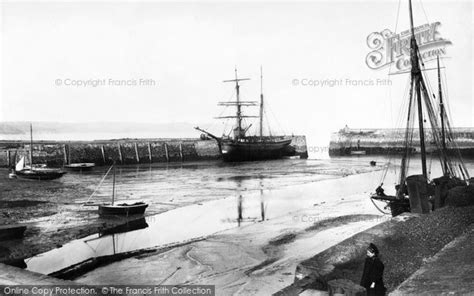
[{"x": 122, "y": 151}]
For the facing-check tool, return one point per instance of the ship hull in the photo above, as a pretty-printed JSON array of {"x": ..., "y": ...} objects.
[
  {"x": 251, "y": 151},
  {"x": 40, "y": 174},
  {"x": 124, "y": 210},
  {"x": 80, "y": 167}
]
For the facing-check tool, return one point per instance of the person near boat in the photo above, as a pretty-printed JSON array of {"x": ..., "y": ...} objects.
[
  {"x": 372, "y": 276},
  {"x": 420, "y": 193},
  {"x": 380, "y": 191}
]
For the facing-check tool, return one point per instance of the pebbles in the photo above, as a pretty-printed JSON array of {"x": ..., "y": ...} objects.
[{"x": 418, "y": 239}]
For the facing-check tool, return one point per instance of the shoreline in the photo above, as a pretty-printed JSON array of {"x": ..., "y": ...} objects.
[
  {"x": 54, "y": 216},
  {"x": 256, "y": 257},
  {"x": 272, "y": 248},
  {"x": 406, "y": 243}
]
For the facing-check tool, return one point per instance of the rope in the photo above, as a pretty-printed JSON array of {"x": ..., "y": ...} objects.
[
  {"x": 398, "y": 15},
  {"x": 424, "y": 12},
  {"x": 171, "y": 274},
  {"x": 385, "y": 213},
  {"x": 100, "y": 183},
  {"x": 382, "y": 180},
  {"x": 403, "y": 110}
]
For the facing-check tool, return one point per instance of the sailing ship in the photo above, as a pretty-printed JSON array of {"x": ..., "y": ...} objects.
[
  {"x": 122, "y": 208},
  {"x": 414, "y": 192},
  {"x": 241, "y": 147},
  {"x": 38, "y": 171}
]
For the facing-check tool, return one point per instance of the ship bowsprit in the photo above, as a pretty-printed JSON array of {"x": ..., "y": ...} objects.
[{"x": 250, "y": 151}]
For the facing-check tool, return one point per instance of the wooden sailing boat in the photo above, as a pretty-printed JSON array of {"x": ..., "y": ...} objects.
[
  {"x": 36, "y": 172},
  {"x": 241, "y": 147},
  {"x": 78, "y": 166},
  {"x": 122, "y": 208},
  {"x": 414, "y": 192}
]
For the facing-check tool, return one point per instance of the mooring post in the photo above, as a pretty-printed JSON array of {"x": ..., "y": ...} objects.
[
  {"x": 149, "y": 151},
  {"x": 103, "y": 153},
  {"x": 136, "y": 152},
  {"x": 166, "y": 152},
  {"x": 120, "y": 152},
  {"x": 181, "y": 151},
  {"x": 8, "y": 159}
]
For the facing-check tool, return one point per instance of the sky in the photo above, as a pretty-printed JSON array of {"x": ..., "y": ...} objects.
[{"x": 174, "y": 56}]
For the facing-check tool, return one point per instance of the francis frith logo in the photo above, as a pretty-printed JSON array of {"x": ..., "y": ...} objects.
[{"x": 390, "y": 48}]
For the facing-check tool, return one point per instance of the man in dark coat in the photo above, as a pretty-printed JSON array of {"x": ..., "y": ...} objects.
[
  {"x": 372, "y": 277},
  {"x": 380, "y": 191}
]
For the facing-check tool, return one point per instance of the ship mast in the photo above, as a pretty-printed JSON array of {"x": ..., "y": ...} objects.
[
  {"x": 416, "y": 79},
  {"x": 443, "y": 136},
  {"x": 238, "y": 104},
  {"x": 261, "y": 103},
  {"x": 239, "y": 112}
]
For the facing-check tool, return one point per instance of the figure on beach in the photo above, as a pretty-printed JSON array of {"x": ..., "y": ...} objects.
[
  {"x": 372, "y": 277},
  {"x": 380, "y": 191}
]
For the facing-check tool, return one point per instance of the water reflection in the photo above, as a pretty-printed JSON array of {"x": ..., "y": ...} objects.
[
  {"x": 204, "y": 206},
  {"x": 240, "y": 203},
  {"x": 129, "y": 226},
  {"x": 239, "y": 210},
  {"x": 172, "y": 227},
  {"x": 262, "y": 203}
]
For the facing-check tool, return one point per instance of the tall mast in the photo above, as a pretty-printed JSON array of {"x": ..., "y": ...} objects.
[
  {"x": 261, "y": 102},
  {"x": 416, "y": 78},
  {"x": 239, "y": 113},
  {"x": 441, "y": 111},
  {"x": 31, "y": 146},
  {"x": 238, "y": 104}
]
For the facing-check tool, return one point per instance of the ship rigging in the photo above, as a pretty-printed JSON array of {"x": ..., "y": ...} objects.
[{"x": 241, "y": 147}]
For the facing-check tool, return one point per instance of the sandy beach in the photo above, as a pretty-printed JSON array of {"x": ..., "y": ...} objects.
[
  {"x": 245, "y": 243},
  {"x": 54, "y": 213}
]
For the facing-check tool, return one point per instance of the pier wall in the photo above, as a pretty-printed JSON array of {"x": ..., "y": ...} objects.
[
  {"x": 391, "y": 141},
  {"x": 123, "y": 151}
]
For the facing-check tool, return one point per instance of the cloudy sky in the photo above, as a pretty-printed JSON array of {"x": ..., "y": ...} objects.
[{"x": 175, "y": 56}]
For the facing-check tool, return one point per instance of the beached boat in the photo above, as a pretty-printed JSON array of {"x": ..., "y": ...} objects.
[
  {"x": 77, "y": 166},
  {"x": 35, "y": 171},
  {"x": 419, "y": 193},
  {"x": 241, "y": 147},
  {"x": 121, "y": 208},
  {"x": 40, "y": 174},
  {"x": 130, "y": 225},
  {"x": 80, "y": 166}
]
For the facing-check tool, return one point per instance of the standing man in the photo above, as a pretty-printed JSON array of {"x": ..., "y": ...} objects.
[{"x": 372, "y": 277}]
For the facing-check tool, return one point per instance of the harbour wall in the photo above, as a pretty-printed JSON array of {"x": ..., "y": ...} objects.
[
  {"x": 122, "y": 151},
  {"x": 391, "y": 141}
]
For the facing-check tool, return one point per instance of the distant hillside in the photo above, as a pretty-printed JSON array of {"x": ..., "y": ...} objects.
[{"x": 99, "y": 130}]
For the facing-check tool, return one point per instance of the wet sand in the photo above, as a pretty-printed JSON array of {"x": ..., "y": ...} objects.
[
  {"x": 54, "y": 215},
  {"x": 307, "y": 206},
  {"x": 257, "y": 258},
  {"x": 237, "y": 263}
]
